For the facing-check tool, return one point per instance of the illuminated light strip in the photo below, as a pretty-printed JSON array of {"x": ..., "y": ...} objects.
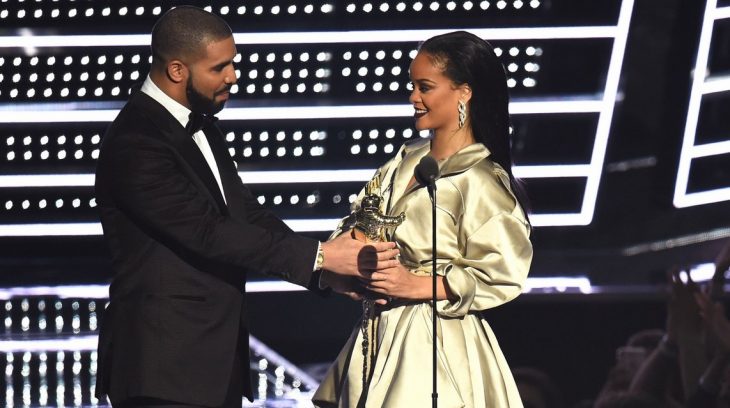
[
  {"x": 703, "y": 197},
  {"x": 306, "y": 176},
  {"x": 549, "y": 220},
  {"x": 676, "y": 242},
  {"x": 249, "y": 177},
  {"x": 102, "y": 291},
  {"x": 721, "y": 13},
  {"x": 283, "y": 177},
  {"x": 51, "y": 230},
  {"x": 321, "y": 37},
  {"x": 681, "y": 197},
  {"x": 716, "y": 84},
  {"x": 57, "y": 116},
  {"x": 554, "y": 106},
  {"x": 314, "y": 225},
  {"x": 94, "y": 228},
  {"x": 61, "y": 291},
  {"x": 710, "y": 149},
  {"x": 74, "y": 343},
  {"x": 560, "y": 284},
  {"x": 293, "y": 112},
  {"x": 552, "y": 171},
  {"x": 298, "y": 225},
  {"x": 606, "y": 115},
  {"x": 47, "y": 180}
]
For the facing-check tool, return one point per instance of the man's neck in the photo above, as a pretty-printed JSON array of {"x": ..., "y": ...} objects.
[{"x": 173, "y": 90}]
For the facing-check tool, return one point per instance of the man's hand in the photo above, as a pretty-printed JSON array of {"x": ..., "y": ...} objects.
[
  {"x": 346, "y": 285},
  {"x": 346, "y": 256}
]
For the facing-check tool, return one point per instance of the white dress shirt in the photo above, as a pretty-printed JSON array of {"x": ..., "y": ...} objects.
[{"x": 182, "y": 114}]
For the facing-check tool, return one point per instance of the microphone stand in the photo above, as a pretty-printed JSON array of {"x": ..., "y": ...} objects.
[
  {"x": 434, "y": 281},
  {"x": 426, "y": 173}
]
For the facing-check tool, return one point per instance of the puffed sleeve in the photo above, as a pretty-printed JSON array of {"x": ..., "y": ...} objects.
[{"x": 493, "y": 269}]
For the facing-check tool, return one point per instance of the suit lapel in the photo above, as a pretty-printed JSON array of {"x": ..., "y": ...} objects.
[
  {"x": 171, "y": 129},
  {"x": 227, "y": 170}
]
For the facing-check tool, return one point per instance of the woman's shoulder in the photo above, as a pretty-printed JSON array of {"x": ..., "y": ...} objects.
[
  {"x": 488, "y": 172},
  {"x": 489, "y": 184}
]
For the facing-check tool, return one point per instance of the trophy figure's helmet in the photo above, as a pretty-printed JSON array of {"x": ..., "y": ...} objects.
[{"x": 371, "y": 202}]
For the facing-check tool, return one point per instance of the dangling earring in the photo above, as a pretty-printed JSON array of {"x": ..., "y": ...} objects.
[{"x": 462, "y": 113}]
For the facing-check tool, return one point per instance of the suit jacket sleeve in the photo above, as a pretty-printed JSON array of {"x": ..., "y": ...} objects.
[{"x": 154, "y": 187}]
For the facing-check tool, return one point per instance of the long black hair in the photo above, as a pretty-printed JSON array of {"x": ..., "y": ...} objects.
[{"x": 467, "y": 59}]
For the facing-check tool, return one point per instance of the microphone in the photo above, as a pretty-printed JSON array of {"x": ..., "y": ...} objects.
[{"x": 427, "y": 171}]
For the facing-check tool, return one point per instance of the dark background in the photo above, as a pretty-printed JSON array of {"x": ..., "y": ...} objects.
[{"x": 571, "y": 336}]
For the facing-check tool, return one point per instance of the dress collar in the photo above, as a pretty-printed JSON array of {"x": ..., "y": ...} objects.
[{"x": 458, "y": 162}]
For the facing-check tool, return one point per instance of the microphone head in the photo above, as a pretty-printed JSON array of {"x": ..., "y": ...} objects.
[{"x": 427, "y": 171}]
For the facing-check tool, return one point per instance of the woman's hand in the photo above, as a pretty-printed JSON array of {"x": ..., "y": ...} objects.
[{"x": 397, "y": 282}]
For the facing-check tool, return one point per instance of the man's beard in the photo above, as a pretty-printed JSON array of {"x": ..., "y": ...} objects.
[{"x": 200, "y": 103}]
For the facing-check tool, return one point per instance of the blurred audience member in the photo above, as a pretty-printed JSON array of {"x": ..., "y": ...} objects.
[
  {"x": 630, "y": 400},
  {"x": 536, "y": 388}
]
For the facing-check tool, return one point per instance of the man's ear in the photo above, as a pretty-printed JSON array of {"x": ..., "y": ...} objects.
[{"x": 176, "y": 71}]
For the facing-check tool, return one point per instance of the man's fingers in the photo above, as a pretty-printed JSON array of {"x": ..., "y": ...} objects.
[
  {"x": 387, "y": 264},
  {"x": 382, "y": 246},
  {"x": 388, "y": 254},
  {"x": 354, "y": 295}
]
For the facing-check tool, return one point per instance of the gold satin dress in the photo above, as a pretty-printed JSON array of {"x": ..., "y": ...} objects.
[{"x": 484, "y": 254}]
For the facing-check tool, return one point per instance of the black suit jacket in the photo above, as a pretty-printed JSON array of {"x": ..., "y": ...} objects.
[{"x": 180, "y": 256}]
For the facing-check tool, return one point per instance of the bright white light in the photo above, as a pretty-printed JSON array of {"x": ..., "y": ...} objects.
[
  {"x": 383, "y": 36},
  {"x": 299, "y": 112},
  {"x": 604, "y": 119},
  {"x": 716, "y": 84},
  {"x": 560, "y": 284},
  {"x": 681, "y": 197},
  {"x": 721, "y": 13}
]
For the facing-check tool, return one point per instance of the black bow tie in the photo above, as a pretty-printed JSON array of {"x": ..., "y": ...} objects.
[{"x": 198, "y": 121}]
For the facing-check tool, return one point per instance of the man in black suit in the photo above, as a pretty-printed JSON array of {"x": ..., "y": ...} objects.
[{"x": 183, "y": 232}]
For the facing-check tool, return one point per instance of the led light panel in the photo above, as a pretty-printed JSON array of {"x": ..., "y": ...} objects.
[
  {"x": 293, "y": 67},
  {"x": 709, "y": 91}
]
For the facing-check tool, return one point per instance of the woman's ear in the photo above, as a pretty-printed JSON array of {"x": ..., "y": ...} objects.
[
  {"x": 177, "y": 71},
  {"x": 465, "y": 91}
]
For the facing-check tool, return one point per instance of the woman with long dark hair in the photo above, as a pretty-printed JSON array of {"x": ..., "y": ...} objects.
[{"x": 483, "y": 250}]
